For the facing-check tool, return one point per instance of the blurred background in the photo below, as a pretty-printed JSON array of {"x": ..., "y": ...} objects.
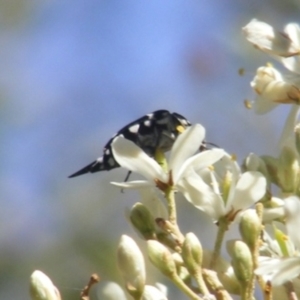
[{"x": 73, "y": 73}]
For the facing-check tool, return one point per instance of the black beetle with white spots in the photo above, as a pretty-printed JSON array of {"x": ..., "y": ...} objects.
[{"x": 152, "y": 132}]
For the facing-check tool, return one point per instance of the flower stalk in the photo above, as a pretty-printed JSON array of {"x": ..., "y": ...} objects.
[
  {"x": 223, "y": 224},
  {"x": 184, "y": 288},
  {"x": 170, "y": 197}
]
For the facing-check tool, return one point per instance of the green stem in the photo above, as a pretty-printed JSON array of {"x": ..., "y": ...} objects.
[
  {"x": 159, "y": 156},
  {"x": 184, "y": 288},
  {"x": 172, "y": 222},
  {"x": 201, "y": 284},
  {"x": 223, "y": 226},
  {"x": 244, "y": 294},
  {"x": 255, "y": 253},
  {"x": 169, "y": 194},
  {"x": 249, "y": 288},
  {"x": 212, "y": 281}
]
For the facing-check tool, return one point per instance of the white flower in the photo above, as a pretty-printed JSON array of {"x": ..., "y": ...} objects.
[
  {"x": 239, "y": 191},
  {"x": 279, "y": 271},
  {"x": 181, "y": 163},
  {"x": 292, "y": 213},
  {"x": 286, "y": 266},
  {"x": 272, "y": 89},
  {"x": 292, "y": 62},
  {"x": 270, "y": 85},
  {"x": 264, "y": 37}
]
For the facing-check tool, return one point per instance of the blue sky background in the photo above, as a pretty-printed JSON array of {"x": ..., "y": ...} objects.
[{"x": 74, "y": 72}]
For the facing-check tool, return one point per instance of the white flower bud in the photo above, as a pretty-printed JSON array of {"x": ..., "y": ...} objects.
[
  {"x": 152, "y": 293},
  {"x": 254, "y": 163},
  {"x": 161, "y": 257},
  {"x": 192, "y": 253},
  {"x": 241, "y": 260},
  {"x": 110, "y": 291},
  {"x": 288, "y": 169},
  {"x": 250, "y": 227},
  {"x": 177, "y": 259},
  {"x": 131, "y": 264},
  {"x": 162, "y": 288},
  {"x": 272, "y": 165},
  {"x": 42, "y": 288},
  {"x": 142, "y": 220}
]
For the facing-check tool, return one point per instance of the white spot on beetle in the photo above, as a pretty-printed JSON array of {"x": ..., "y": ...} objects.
[
  {"x": 100, "y": 159},
  {"x": 134, "y": 128},
  {"x": 150, "y": 116},
  {"x": 184, "y": 122},
  {"x": 147, "y": 123}
]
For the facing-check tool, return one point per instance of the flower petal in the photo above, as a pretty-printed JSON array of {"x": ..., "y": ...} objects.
[
  {"x": 265, "y": 38},
  {"x": 151, "y": 199},
  {"x": 199, "y": 161},
  {"x": 250, "y": 188},
  {"x": 271, "y": 89},
  {"x": 293, "y": 63},
  {"x": 133, "y": 158},
  {"x": 262, "y": 106},
  {"x": 136, "y": 184},
  {"x": 186, "y": 145},
  {"x": 202, "y": 196},
  {"x": 293, "y": 31},
  {"x": 292, "y": 213},
  {"x": 271, "y": 214},
  {"x": 288, "y": 269},
  {"x": 278, "y": 270},
  {"x": 288, "y": 130},
  {"x": 266, "y": 265},
  {"x": 227, "y": 163}
]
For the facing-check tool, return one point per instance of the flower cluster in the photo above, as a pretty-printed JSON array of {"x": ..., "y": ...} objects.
[
  {"x": 261, "y": 196},
  {"x": 279, "y": 260}
]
